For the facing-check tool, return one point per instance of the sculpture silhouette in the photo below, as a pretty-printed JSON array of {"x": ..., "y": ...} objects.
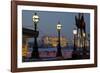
[{"x": 80, "y": 23}]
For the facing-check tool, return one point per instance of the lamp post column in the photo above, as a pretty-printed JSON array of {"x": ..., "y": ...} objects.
[{"x": 35, "y": 53}]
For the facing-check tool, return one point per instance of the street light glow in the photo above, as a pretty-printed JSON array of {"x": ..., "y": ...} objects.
[
  {"x": 84, "y": 34},
  {"x": 35, "y": 18},
  {"x": 74, "y": 31},
  {"x": 59, "y": 26}
]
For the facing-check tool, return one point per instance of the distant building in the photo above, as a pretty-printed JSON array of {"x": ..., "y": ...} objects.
[{"x": 53, "y": 41}]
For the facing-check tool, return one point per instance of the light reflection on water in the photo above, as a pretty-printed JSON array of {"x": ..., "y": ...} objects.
[{"x": 50, "y": 53}]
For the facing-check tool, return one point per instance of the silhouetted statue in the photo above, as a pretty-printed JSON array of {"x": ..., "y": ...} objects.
[{"x": 80, "y": 23}]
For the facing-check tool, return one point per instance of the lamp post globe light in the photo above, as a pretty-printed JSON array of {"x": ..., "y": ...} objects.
[
  {"x": 35, "y": 18},
  {"x": 74, "y": 55},
  {"x": 59, "y": 54},
  {"x": 84, "y": 34},
  {"x": 35, "y": 53},
  {"x": 75, "y": 33}
]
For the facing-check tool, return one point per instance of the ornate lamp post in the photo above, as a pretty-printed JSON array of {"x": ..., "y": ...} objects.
[
  {"x": 74, "y": 46},
  {"x": 59, "y": 54},
  {"x": 35, "y": 19}
]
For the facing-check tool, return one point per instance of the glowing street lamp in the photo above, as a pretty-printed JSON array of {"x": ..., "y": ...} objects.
[
  {"x": 75, "y": 31},
  {"x": 59, "y": 26},
  {"x": 84, "y": 34},
  {"x": 35, "y": 19},
  {"x": 59, "y": 54},
  {"x": 74, "y": 46}
]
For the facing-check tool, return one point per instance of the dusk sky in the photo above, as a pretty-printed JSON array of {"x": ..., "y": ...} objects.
[{"x": 49, "y": 20}]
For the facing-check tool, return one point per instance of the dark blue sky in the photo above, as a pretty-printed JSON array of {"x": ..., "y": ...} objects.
[{"x": 49, "y": 20}]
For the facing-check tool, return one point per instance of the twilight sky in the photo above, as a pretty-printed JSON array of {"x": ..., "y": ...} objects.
[{"x": 49, "y": 20}]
